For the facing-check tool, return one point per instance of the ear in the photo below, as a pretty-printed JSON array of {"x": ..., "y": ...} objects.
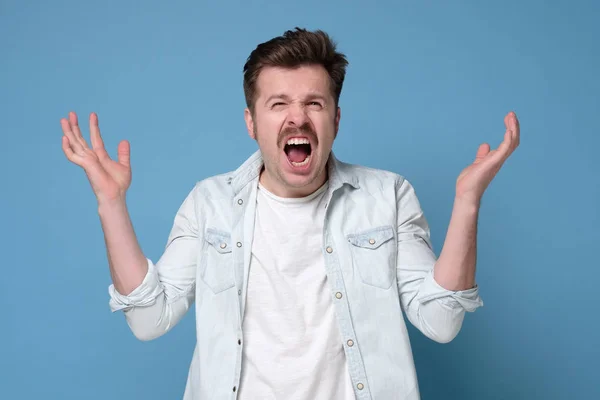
[
  {"x": 249, "y": 123},
  {"x": 338, "y": 116}
]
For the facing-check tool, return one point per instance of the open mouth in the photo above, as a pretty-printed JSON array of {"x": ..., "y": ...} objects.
[{"x": 298, "y": 151}]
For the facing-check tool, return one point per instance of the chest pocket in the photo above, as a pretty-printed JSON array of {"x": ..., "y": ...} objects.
[
  {"x": 374, "y": 256},
  {"x": 217, "y": 269}
]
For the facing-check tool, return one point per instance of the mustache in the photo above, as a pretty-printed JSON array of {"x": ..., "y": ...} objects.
[{"x": 305, "y": 130}]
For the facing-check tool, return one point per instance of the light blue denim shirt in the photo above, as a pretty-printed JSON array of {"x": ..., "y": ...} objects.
[{"x": 379, "y": 263}]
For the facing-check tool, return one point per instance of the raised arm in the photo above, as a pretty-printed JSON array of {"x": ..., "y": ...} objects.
[
  {"x": 436, "y": 293},
  {"x": 154, "y": 297},
  {"x": 455, "y": 269},
  {"x": 109, "y": 180}
]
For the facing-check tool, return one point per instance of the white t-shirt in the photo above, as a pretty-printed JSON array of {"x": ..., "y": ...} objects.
[{"x": 293, "y": 348}]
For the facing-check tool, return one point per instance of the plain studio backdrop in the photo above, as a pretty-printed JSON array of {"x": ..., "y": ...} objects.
[{"x": 427, "y": 83}]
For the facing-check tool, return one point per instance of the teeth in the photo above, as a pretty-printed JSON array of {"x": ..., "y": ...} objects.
[
  {"x": 301, "y": 164},
  {"x": 298, "y": 141}
]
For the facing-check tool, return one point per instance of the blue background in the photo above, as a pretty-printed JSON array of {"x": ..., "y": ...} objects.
[{"x": 427, "y": 83}]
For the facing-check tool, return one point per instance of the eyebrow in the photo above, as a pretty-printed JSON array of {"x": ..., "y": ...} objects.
[
  {"x": 311, "y": 96},
  {"x": 277, "y": 96}
]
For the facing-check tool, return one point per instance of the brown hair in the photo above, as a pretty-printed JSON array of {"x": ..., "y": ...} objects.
[{"x": 293, "y": 49}]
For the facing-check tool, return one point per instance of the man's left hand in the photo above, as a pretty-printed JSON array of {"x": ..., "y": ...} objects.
[{"x": 474, "y": 180}]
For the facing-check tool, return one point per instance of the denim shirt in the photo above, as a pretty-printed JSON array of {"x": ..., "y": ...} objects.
[{"x": 379, "y": 264}]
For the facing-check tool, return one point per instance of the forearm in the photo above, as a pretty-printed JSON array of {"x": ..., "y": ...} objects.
[
  {"x": 455, "y": 267},
  {"x": 128, "y": 265}
]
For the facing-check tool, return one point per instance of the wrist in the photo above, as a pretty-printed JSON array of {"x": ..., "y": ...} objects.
[
  {"x": 111, "y": 205},
  {"x": 466, "y": 205}
]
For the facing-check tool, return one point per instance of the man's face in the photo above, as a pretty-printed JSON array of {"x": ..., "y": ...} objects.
[{"x": 295, "y": 122}]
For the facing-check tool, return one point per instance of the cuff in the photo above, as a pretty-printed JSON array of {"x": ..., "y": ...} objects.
[
  {"x": 430, "y": 290},
  {"x": 144, "y": 295}
]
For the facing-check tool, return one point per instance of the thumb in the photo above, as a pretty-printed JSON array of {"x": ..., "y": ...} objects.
[
  {"x": 483, "y": 151},
  {"x": 123, "y": 153}
]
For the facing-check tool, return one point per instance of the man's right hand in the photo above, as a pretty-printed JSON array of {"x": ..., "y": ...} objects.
[{"x": 109, "y": 179}]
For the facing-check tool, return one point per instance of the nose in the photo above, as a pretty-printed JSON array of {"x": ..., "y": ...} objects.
[{"x": 296, "y": 115}]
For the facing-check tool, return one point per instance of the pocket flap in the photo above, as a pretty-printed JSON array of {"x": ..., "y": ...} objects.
[
  {"x": 373, "y": 238},
  {"x": 220, "y": 240}
]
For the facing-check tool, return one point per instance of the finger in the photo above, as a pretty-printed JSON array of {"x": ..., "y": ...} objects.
[
  {"x": 506, "y": 147},
  {"x": 512, "y": 120},
  {"x": 124, "y": 153},
  {"x": 76, "y": 130},
  {"x": 512, "y": 123},
  {"x": 96, "y": 137},
  {"x": 75, "y": 145},
  {"x": 517, "y": 132},
  {"x": 499, "y": 155},
  {"x": 507, "y": 119},
  {"x": 71, "y": 155}
]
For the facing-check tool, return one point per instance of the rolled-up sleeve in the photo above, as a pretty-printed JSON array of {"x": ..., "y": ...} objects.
[
  {"x": 143, "y": 296},
  {"x": 435, "y": 311},
  {"x": 430, "y": 290},
  {"x": 167, "y": 291}
]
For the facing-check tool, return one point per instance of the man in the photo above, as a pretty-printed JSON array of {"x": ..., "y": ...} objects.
[{"x": 300, "y": 265}]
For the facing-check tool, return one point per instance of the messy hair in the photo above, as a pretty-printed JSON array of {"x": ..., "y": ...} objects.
[{"x": 294, "y": 49}]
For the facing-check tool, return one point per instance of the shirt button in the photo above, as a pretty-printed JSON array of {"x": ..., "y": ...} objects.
[
  {"x": 350, "y": 343},
  {"x": 240, "y": 291},
  {"x": 223, "y": 245},
  {"x": 360, "y": 386},
  {"x": 239, "y": 341},
  {"x": 338, "y": 295},
  {"x": 234, "y": 388},
  {"x": 372, "y": 241},
  {"x": 239, "y": 244},
  {"x": 240, "y": 202},
  {"x": 329, "y": 250}
]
